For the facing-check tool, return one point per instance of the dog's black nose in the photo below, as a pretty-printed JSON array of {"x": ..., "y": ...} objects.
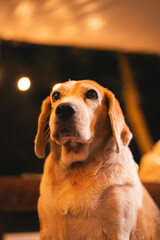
[{"x": 65, "y": 111}]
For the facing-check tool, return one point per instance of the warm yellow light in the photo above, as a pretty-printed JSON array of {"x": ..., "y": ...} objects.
[{"x": 24, "y": 83}]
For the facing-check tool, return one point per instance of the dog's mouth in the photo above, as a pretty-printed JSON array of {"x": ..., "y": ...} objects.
[
  {"x": 69, "y": 134},
  {"x": 64, "y": 134},
  {"x": 65, "y": 131},
  {"x": 74, "y": 131}
]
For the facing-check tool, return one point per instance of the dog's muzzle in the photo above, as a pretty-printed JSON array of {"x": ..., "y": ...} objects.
[
  {"x": 65, "y": 127},
  {"x": 67, "y": 124}
]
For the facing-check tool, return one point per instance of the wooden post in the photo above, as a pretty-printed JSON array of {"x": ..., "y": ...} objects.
[{"x": 132, "y": 106}]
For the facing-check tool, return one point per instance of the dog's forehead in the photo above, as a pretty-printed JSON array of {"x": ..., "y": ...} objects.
[
  {"x": 74, "y": 85},
  {"x": 65, "y": 85}
]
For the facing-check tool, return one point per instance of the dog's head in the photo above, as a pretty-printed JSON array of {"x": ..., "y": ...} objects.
[{"x": 80, "y": 112}]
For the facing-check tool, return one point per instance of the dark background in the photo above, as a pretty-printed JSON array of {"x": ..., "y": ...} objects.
[{"x": 46, "y": 65}]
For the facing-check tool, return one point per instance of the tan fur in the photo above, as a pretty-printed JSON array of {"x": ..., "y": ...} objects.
[{"x": 90, "y": 189}]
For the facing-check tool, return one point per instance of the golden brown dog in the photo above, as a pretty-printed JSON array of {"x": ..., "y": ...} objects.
[{"x": 90, "y": 189}]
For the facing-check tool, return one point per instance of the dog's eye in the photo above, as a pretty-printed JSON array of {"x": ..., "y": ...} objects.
[
  {"x": 91, "y": 94},
  {"x": 56, "y": 96}
]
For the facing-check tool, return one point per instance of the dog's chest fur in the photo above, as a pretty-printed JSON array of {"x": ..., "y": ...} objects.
[
  {"x": 76, "y": 193},
  {"x": 72, "y": 207},
  {"x": 82, "y": 203},
  {"x": 73, "y": 211}
]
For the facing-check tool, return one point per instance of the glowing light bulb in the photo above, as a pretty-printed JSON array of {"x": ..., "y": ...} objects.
[{"x": 24, "y": 83}]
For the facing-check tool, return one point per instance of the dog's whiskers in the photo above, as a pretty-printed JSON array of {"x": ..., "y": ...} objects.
[{"x": 47, "y": 131}]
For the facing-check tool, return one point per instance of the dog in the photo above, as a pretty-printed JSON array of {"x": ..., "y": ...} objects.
[{"x": 90, "y": 189}]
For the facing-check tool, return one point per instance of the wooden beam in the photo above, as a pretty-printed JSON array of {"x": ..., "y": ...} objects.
[{"x": 19, "y": 193}]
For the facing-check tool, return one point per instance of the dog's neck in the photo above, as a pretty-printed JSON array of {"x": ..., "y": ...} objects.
[{"x": 71, "y": 155}]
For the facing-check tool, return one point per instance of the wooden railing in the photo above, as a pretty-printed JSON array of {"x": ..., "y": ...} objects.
[{"x": 20, "y": 194}]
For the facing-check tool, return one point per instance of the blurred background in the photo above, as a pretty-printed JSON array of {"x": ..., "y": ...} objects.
[
  {"x": 53, "y": 40},
  {"x": 46, "y": 65},
  {"x": 115, "y": 43}
]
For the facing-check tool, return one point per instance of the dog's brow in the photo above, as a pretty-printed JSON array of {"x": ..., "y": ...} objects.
[{"x": 87, "y": 87}]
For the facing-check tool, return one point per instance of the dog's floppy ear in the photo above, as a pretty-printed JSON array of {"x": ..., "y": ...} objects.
[
  {"x": 42, "y": 132},
  {"x": 121, "y": 132}
]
